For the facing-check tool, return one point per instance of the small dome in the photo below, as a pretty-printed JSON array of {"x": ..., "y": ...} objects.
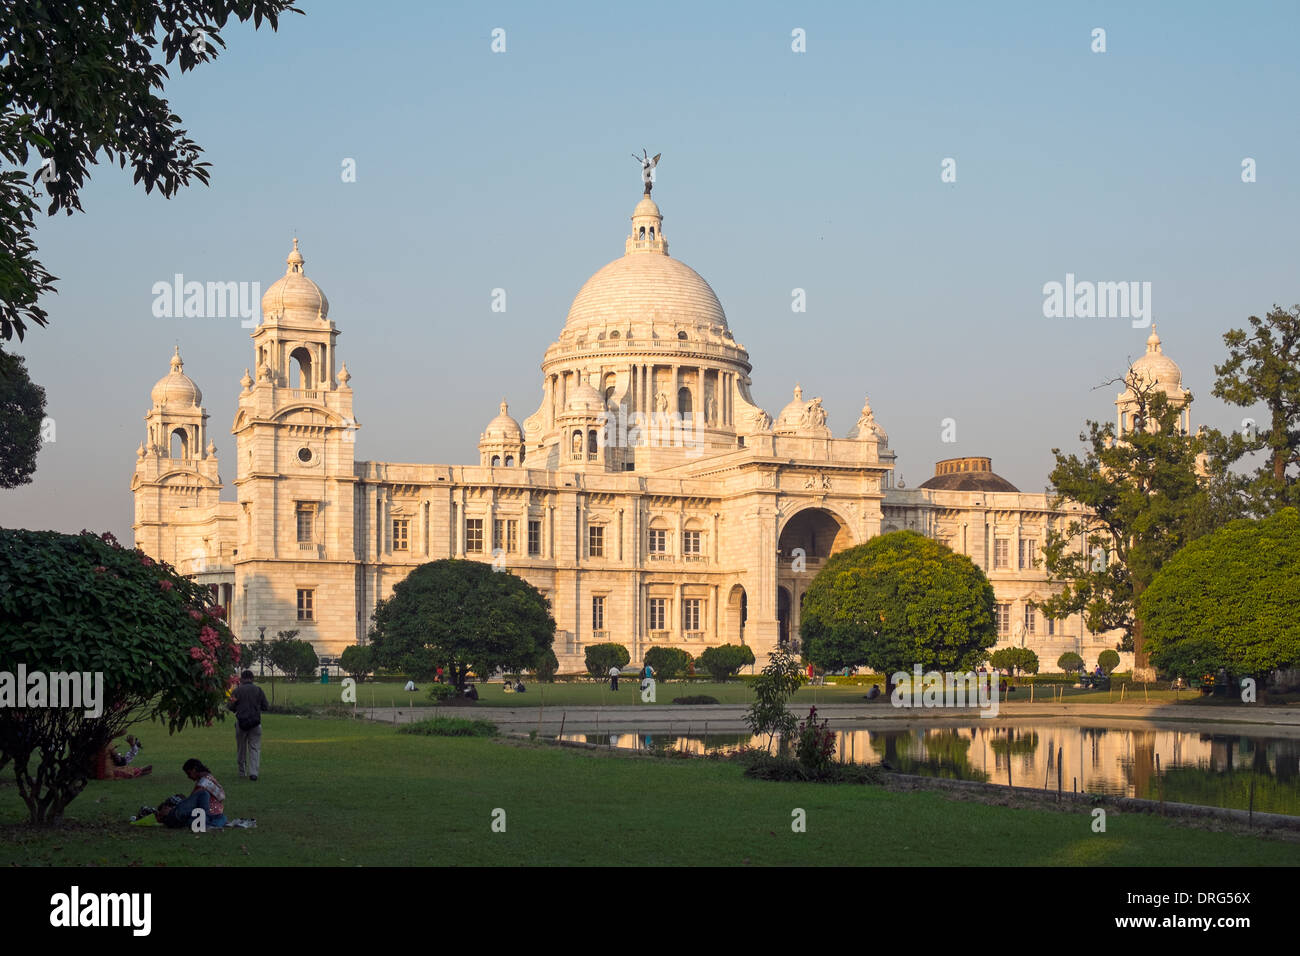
[
  {"x": 800, "y": 416},
  {"x": 503, "y": 428},
  {"x": 646, "y": 207},
  {"x": 1157, "y": 368},
  {"x": 585, "y": 400},
  {"x": 176, "y": 388},
  {"x": 966, "y": 474},
  {"x": 295, "y": 294}
]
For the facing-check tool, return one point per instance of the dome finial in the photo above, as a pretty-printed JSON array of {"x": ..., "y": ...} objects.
[
  {"x": 504, "y": 407},
  {"x": 177, "y": 364},
  {"x": 1153, "y": 340},
  {"x": 295, "y": 259}
]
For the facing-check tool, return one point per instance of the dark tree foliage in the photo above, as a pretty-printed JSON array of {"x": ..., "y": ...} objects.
[
  {"x": 725, "y": 661},
  {"x": 1230, "y": 599},
  {"x": 461, "y": 616},
  {"x": 358, "y": 661},
  {"x": 82, "y": 604},
  {"x": 22, "y": 409},
  {"x": 899, "y": 600},
  {"x": 80, "y": 81},
  {"x": 1263, "y": 367},
  {"x": 1142, "y": 499},
  {"x": 599, "y": 658},
  {"x": 668, "y": 662}
]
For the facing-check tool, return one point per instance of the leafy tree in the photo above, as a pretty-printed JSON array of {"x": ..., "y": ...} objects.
[
  {"x": 461, "y": 616},
  {"x": 1108, "y": 660},
  {"x": 22, "y": 409},
  {"x": 1069, "y": 662},
  {"x": 725, "y": 661},
  {"x": 293, "y": 658},
  {"x": 358, "y": 660},
  {"x": 81, "y": 604},
  {"x": 78, "y": 81},
  {"x": 773, "y": 687},
  {"x": 1015, "y": 659},
  {"x": 599, "y": 658},
  {"x": 1143, "y": 501},
  {"x": 1230, "y": 599},
  {"x": 546, "y": 666},
  {"x": 1264, "y": 367},
  {"x": 900, "y": 599},
  {"x": 668, "y": 662}
]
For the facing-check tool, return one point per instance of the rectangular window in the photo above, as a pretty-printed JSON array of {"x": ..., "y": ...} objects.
[
  {"x": 658, "y": 613},
  {"x": 1004, "y": 619},
  {"x": 505, "y": 535},
  {"x": 1030, "y": 619},
  {"x": 691, "y": 614},
  {"x": 474, "y": 535},
  {"x": 595, "y": 542},
  {"x": 306, "y": 515},
  {"x": 690, "y": 542},
  {"x": 534, "y": 537},
  {"x": 658, "y": 541},
  {"x": 1028, "y": 554},
  {"x": 401, "y": 534},
  {"x": 598, "y": 613},
  {"x": 1051, "y": 626},
  {"x": 306, "y": 604},
  {"x": 1001, "y": 553},
  {"x": 498, "y": 532}
]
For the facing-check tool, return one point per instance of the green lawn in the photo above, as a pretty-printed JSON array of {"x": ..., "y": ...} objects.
[
  {"x": 338, "y": 792},
  {"x": 592, "y": 694}
]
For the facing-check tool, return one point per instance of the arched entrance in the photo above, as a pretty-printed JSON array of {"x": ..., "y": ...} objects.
[
  {"x": 808, "y": 538},
  {"x": 737, "y": 613}
]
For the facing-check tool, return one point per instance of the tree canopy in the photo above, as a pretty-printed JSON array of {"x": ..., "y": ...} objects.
[
  {"x": 1264, "y": 367},
  {"x": 79, "y": 81},
  {"x": 1230, "y": 599},
  {"x": 461, "y": 616},
  {"x": 83, "y": 604},
  {"x": 899, "y": 600},
  {"x": 22, "y": 409},
  {"x": 1144, "y": 499}
]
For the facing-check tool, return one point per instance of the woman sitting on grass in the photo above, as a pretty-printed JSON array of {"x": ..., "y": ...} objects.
[{"x": 207, "y": 796}]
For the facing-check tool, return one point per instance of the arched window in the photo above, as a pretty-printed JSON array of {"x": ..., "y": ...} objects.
[
  {"x": 641, "y": 234},
  {"x": 652, "y": 232},
  {"x": 510, "y": 461},
  {"x": 577, "y": 444},
  {"x": 180, "y": 444},
  {"x": 614, "y": 334},
  {"x": 496, "y": 460},
  {"x": 684, "y": 401},
  {"x": 682, "y": 336},
  {"x": 591, "y": 443},
  {"x": 302, "y": 359}
]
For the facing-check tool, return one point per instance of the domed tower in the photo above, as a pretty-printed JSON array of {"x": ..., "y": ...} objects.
[
  {"x": 295, "y": 434},
  {"x": 176, "y": 465},
  {"x": 1157, "y": 370},
  {"x": 583, "y": 425},
  {"x": 502, "y": 442},
  {"x": 648, "y": 334}
]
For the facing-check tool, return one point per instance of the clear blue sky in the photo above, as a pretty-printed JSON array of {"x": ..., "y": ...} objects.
[{"x": 817, "y": 170}]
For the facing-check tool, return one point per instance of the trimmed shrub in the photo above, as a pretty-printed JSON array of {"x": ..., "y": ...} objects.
[
  {"x": 725, "y": 660},
  {"x": 358, "y": 661},
  {"x": 450, "y": 727},
  {"x": 1070, "y": 662},
  {"x": 601, "y": 657},
  {"x": 1108, "y": 660},
  {"x": 440, "y": 692},
  {"x": 546, "y": 666},
  {"x": 668, "y": 662}
]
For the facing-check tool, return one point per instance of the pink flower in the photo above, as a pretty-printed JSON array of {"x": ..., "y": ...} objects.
[
  {"x": 166, "y": 585},
  {"x": 234, "y": 655},
  {"x": 196, "y": 653},
  {"x": 197, "y": 615},
  {"x": 100, "y": 569},
  {"x": 146, "y": 560},
  {"x": 108, "y": 538},
  {"x": 209, "y": 637}
]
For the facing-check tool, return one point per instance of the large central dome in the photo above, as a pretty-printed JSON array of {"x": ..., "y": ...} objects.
[{"x": 646, "y": 293}]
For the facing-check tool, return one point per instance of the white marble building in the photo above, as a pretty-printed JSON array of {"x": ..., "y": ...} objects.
[{"x": 648, "y": 496}]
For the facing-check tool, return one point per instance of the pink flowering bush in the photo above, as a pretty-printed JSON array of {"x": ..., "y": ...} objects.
[{"x": 82, "y": 603}]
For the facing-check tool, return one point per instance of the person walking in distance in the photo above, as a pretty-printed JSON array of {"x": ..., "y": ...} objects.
[{"x": 248, "y": 702}]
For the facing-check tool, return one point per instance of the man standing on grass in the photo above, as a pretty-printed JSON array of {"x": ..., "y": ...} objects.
[{"x": 248, "y": 702}]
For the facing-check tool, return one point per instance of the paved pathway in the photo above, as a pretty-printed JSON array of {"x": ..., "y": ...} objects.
[{"x": 729, "y": 718}]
